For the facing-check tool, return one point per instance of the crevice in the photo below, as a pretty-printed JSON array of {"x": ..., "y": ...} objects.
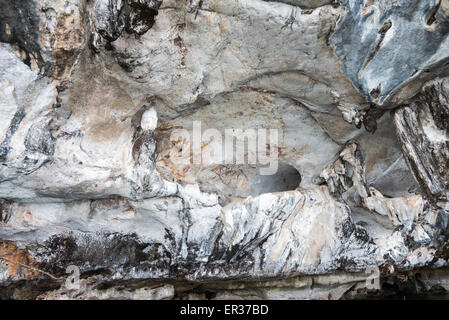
[
  {"x": 307, "y": 8},
  {"x": 378, "y": 43},
  {"x": 431, "y": 16}
]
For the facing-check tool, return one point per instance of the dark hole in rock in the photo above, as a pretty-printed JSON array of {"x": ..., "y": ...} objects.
[
  {"x": 286, "y": 178},
  {"x": 210, "y": 295},
  {"x": 243, "y": 181},
  {"x": 376, "y": 92}
]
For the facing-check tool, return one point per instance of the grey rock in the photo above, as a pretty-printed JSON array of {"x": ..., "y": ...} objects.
[
  {"x": 385, "y": 46},
  {"x": 39, "y": 139},
  {"x": 423, "y": 131},
  {"x": 91, "y": 92}
]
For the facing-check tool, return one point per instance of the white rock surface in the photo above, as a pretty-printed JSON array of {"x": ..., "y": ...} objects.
[{"x": 149, "y": 120}]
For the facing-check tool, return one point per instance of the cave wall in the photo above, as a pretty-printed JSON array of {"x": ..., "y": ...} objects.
[{"x": 92, "y": 91}]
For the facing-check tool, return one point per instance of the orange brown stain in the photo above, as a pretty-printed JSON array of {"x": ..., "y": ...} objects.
[{"x": 10, "y": 251}]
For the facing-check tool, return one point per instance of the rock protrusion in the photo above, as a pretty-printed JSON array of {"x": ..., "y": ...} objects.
[
  {"x": 112, "y": 17},
  {"x": 423, "y": 130}
]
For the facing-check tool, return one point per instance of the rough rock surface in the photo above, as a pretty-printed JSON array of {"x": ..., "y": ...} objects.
[
  {"x": 423, "y": 131},
  {"x": 92, "y": 92},
  {"x": 397, "y": 42}
]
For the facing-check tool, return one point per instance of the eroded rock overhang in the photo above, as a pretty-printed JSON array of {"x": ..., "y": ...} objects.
[{"x": 86, "y": 181}]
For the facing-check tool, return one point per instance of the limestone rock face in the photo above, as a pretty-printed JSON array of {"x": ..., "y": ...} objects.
[
  {"x": 423, "y": 130},
  {"x": 115, "y": 161},
  {"x": 397, "y": 42}
]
